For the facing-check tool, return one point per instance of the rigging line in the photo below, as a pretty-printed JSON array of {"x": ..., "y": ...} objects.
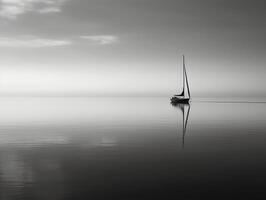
[{"x": 187, "y": 83}]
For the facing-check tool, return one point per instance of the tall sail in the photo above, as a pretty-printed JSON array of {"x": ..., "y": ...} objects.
[
  {"x": 183, "y": 79},
  {"x": 187, "y": 86},
  {"x": 184, "y": 97},
  {"x": 183, "y": 75}
]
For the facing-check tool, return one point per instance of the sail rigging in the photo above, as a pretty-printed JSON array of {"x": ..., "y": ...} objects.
[
  {"x": 187, "y": 86},
  {"x": 185, "y": 80}
]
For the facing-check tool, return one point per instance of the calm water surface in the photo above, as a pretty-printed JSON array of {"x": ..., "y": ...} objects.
[{"x": 131, "y": 148}]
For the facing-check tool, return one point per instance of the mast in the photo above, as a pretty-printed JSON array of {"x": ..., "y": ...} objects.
[{"x": 183, "y": 75}]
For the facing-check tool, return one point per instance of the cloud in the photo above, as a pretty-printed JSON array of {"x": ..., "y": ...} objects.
[
  {"x": 11, "y": 9},
  {"x": 49, "y": 10},
  {"x": 31, "y": 42},
  {"x": 101, "y": 39}
]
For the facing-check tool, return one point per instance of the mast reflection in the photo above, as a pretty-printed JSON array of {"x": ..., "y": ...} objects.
[{"x": 185, "y": 110}]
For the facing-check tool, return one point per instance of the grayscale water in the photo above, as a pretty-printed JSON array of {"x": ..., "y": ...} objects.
[{"x": 130, "y": 148}]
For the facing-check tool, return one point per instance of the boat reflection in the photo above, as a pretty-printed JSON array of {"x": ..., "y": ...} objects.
[{"x": 185, "y": 110}]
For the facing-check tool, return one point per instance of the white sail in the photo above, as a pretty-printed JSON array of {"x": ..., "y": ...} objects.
[{"x": 185, "y": 81}]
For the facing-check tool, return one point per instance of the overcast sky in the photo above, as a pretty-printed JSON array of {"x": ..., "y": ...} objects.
[{"x": 132, "y": 47}]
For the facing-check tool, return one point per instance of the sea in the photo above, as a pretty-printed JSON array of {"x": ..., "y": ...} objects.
[{"x": 131, "y": 148}]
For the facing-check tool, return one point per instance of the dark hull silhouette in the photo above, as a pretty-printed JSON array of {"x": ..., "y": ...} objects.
[{"x": 178, "y": 100}]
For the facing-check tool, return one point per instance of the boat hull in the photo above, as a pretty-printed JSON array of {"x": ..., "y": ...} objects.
[{"x": 177, "y": 100}]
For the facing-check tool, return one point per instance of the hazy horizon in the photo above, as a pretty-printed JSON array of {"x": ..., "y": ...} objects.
[{"x": 132, "y": 47}]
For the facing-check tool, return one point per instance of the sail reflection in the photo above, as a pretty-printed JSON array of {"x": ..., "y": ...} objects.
[{"x": 185, "y": 110}]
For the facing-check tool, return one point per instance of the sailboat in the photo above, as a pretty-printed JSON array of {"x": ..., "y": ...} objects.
[{"x": 184, "y": 97}]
